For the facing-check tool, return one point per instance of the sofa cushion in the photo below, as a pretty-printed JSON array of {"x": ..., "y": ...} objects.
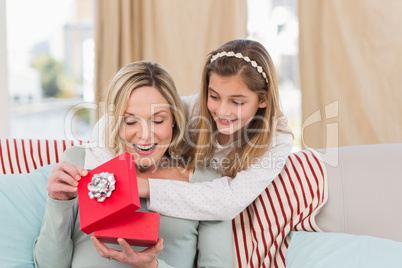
[
  {"x": 290, "y": 202},
  {"x": 309, "y": 249},
  {"x": 26, "y": 155},
  {"x": 23, "y": 201}
]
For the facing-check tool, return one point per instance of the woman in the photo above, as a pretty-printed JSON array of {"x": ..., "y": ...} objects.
[{"x": 145, "y": 118}]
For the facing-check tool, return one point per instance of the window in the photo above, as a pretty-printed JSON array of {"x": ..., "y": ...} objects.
[
  {"x": 58, "y": 37},
  {"x": 274, "y": 23},
  {"x": 50, "y": 50}
]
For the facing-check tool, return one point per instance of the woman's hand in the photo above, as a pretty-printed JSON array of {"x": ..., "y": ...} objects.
[
  {"x": 143, "y": 259},
  {"x": 63, "y": 181}
]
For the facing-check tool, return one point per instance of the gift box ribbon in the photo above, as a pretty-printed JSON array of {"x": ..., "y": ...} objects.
[{"x": 101, "y": 186}]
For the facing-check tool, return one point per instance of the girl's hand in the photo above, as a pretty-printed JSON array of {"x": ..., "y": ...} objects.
[
  {"x": 143, "y": 259},
  {"x": 63, "y": 181}
]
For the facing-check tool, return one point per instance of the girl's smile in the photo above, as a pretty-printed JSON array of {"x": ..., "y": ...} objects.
[{"x": 226, "y": 121}]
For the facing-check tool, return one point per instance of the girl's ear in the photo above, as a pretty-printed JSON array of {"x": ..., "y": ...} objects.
[{"x": 262, "y": 103}]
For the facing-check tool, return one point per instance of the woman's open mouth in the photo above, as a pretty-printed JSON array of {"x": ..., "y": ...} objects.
[{"x": 144, "y": 149}]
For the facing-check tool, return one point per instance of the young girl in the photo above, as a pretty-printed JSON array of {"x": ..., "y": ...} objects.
[
  {"x": 240, "y": 131},
  {"x": 147, "y": 120}
]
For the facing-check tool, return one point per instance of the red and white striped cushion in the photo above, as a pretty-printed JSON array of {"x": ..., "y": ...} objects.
[
  {"x": 26, "y": 155},
  {"x": 290, "y": 202}
]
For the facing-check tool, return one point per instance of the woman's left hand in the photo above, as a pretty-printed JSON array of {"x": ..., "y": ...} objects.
[{"x": 143, "y": 259}]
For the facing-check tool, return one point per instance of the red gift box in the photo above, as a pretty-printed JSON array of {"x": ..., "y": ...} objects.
[
  {"x": 139, "y": 228},
  {"x": 123, "y": 201}
]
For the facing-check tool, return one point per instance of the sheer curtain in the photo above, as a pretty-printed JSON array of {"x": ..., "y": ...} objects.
[
  {"x": 350, "y": 68},
  {"x": 178, "y": 34}
]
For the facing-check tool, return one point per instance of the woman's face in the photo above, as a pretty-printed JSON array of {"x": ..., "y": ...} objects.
[
  {"x": 147, "y": 126},
  {"x": 231, "y": 103}
]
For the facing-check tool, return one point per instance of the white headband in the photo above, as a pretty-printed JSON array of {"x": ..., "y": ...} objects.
[{"x": 240, "y": 56}]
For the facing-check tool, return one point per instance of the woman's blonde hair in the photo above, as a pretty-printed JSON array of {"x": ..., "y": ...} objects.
[
  {"x": 260, "y": 77},
  {"x": 133, "y": 76}
]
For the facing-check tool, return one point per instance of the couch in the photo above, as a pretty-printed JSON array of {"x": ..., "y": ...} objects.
[{"x": 360, "y": 214}]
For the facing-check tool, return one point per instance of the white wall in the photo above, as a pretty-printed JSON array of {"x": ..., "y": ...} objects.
[{"x": 4, "y": 101}]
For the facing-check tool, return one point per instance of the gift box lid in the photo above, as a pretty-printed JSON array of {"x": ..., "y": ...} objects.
[
  {"x": 138, "y": 229},
  {"x": 123, "y": 200}
]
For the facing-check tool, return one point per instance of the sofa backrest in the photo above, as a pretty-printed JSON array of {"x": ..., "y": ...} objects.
[{"x": 364, "y": 191}]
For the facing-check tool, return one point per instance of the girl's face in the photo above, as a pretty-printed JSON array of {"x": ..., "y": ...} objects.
[
  {"x": 231, "y": 103},
  {"x": 147, "y": 128}
]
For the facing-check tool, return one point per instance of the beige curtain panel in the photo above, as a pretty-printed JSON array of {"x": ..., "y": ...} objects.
[
  {"x": 350, "y": 71},
  {"x": 176, "y": 33}
]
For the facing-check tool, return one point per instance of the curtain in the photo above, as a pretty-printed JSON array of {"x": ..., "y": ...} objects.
[
  {"x": 350, "y": 72},
  {"x": 177, "y": 34}
]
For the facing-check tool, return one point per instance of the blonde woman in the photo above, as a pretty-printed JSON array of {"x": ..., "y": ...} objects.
[{"x": 145, "y": 117}]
